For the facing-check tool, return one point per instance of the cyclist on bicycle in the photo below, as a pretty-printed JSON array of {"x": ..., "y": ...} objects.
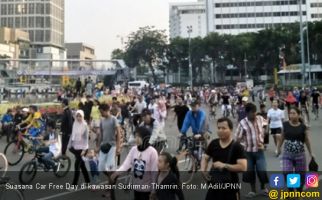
[
  {"x": 196, "y": 119},
  {"x": 158, "y": 138},
  {"x": 213, "y": 101},
  {"x": 315, "y": 101},
  {"x": 35, "y": 123},
  {"x": 226, "y": 107},
  {"x": 303, "y": 105},
  {"x": 52, "y": 147}
]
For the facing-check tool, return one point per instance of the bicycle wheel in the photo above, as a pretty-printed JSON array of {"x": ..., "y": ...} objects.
[
  {"x": 28, "y": 172},
  {"x": 64, "y": 167},
  {"x": 14, "y": 152},
  {"x": 187, "y": 167},
  {"x": 10, "y": 194},
  {"x": 3, "y": 165}
]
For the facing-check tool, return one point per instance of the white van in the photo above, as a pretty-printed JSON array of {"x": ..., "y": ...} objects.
[{"x": 137, "y": 84}]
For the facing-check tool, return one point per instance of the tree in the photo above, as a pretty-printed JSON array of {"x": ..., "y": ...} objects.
[
  {"x": 146, "y": 47},
  {"x": 117, "y": 54}
]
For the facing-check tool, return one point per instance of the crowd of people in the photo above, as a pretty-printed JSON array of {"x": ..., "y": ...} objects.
[{"x": 98, "y": 130}]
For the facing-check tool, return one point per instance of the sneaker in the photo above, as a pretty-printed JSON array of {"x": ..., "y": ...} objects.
[
  {"x": 264, "y": 192},
  {"x": 250, "y": 195}
]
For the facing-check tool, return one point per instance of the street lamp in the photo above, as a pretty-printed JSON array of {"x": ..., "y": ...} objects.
[
  {"x": 189, "y": 31},
  {"x": 302, "y": 44},
  {"x": 306, "y": 29},
  {"x": 245, "y": 65}
]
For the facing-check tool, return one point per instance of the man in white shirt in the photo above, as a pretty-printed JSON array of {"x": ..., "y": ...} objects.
[
  {"x": 137, "y": 109},
  {"x": 275, "y": 120}
]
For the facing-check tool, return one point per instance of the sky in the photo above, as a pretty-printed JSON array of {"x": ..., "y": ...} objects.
[{"x": 99, "y": 22}]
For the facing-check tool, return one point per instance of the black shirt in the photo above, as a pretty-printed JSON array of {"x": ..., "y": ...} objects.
[
  {"x": 225, "y": 100},
  {"x": 170, "y": 194},
  {"x": 294, "y": 133},
  {"x": 217, "y": 153},
  {"x": 303, "y": 100},
  {"x": 181, "y": 112},
  {"x": 315, "y": 98}
]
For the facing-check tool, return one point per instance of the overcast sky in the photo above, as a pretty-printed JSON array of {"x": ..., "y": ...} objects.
[{"x": 98, "y": 22}]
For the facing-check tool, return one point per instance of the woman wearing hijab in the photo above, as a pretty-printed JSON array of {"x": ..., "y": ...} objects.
[
  {"x": 78, "y": 143},
  {"x": 143, "y": 162}
]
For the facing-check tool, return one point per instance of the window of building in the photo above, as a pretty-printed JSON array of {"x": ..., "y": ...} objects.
[
  {"x": 11, "y": 9},
  {"x": 40, "y": 8},
  {"x": 47, "y": 35},
  {"x": 18, "y": 22},
  {"x": 10, "y": 21},
  {"x": 48, "y": 22},
  {"x": 48, "y": 8},
  {"x": 24, "y": 22},
  {"x": 4, "y": 9},
  {"x": 39, "y": 36},
  {"x": 31, "y": 22},
  {"x": 3, "y": 21},
  {"x": 31, "y": 9},
  {"x": 40, "y": 22}
]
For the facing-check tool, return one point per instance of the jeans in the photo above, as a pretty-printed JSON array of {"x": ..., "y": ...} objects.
[
  {"x": 47, "y": 159},
  {"x": 255, "y": 161}
]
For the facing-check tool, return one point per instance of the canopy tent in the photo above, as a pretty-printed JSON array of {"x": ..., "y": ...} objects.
[{"x": 67, "y": 73}]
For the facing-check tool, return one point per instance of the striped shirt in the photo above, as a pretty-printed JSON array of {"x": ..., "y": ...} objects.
[{"x": 251, "y": 134}]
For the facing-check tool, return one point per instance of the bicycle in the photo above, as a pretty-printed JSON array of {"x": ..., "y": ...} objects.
[
  {"x": 23, "y": 144},
  {"x": 29, "y": 170},
  {"x": 12, "y": 194},
  {"x": 305, "y": 114},
  {"x": 212, "y": 112},
  {"x": 195, "y": 147}
]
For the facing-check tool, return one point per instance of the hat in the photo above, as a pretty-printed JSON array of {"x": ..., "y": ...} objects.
[
  {"x": 245, "y": 99},
  {"x": 25, "y": 109}
]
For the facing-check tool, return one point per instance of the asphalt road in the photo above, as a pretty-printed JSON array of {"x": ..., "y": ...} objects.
[{"x": 194, "y": 192}]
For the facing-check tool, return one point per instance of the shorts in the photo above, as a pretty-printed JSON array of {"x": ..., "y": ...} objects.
[
  {"x": 107, "y": 162},
  {"x": 275, "y": 131}
]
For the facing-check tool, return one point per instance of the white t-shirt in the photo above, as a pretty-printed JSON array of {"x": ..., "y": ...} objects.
[
  {"x": 276, "y": 118},
  {"x": 140, "y": 106},
  {"x": 55, "y": 147}
]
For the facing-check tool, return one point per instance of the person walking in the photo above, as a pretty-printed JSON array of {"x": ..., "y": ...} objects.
[
  {"x": 275, "y": 120},
  {"x": 78, "y": 144},
  {"x": 66, "y": 125},
  {"x": 228, "y": 159},
  {"x": 294, "y": 137},
  {"x": 250, "y": 133}
]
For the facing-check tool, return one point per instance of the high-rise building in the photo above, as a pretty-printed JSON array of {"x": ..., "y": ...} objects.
[
  {"x": 234, "y": 17},
  {"x": 44, "y": 21},
  {"x": 183, "y": 15},
  {"x": 80, "y": 51}
]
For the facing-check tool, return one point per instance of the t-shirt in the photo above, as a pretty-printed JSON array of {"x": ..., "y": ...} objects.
[
  {"x": 276, "y": 118},
  {"x": 315, "y": 98},
  {"x": 225, "y": 100},
  {"x": 303, "y": 100},
  {"x": 294, "y": 133},
  {"x": 217, "y": 153},
  {"x": 181, "y": 112},
  {"x": 108, "y": 127},
  {"x": 294, "y": 138},
  {"x": 139, "y": 106}
]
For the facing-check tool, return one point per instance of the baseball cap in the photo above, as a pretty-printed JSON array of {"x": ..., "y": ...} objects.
[{"x": 25, "y": 109}]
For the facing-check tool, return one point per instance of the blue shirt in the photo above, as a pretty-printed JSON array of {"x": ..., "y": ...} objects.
[
  {"x": 195, "y": 121},
  {"x": 7, "y": 118}
]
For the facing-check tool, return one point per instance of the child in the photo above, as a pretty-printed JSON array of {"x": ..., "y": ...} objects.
[{"x": 90, "y": 157}]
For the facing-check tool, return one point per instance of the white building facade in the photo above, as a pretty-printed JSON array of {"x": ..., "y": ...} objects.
[
  {"x": 183, "y": 15},
  {"x": 240, "y": 16}
]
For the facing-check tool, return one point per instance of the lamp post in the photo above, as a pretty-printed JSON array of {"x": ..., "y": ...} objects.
[
  {"x": 306, "y": 29},
  {"x": 302, "y": 44},
  {"x": 189, "y": 31},
  {"x": 245, "y": 65}
]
